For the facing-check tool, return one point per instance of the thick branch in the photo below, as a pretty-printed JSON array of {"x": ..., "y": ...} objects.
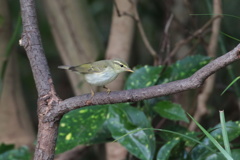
[
  {"x": 134, "y": 95},
  {"x": 31, "y": 41}
]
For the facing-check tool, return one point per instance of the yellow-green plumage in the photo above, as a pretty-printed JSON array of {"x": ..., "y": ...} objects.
[{"x": 100, "y": 73}]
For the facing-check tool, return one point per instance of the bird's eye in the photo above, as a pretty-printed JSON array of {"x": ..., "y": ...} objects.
[{"x": 121, "y": 65}]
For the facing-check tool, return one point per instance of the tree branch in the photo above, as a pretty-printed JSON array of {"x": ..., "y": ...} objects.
[
  {"x": 31, "y": 41},
  {"x": 195, "y": 81}
]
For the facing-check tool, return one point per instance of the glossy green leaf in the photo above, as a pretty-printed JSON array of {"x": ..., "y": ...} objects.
[
  {"x": 170, "y": 111},
  {"x": 165, "y": 151},
  {"x": 81, "y": 126},
  {"x": 219, "y": 156},
  {"x": 143, "y": 77},
  {"x": 187, "y": 66},
  {"x": 21, "y": 153},
  {"x": 200, "y": 152},
  {"x": 183, "y": 68},
  {"x": 128, "y": 125}
]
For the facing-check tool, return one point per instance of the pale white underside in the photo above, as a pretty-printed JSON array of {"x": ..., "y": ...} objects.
[{"x": 102, "y": 78}]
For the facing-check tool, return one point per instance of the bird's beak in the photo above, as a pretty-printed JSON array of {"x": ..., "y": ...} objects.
[{"x": 129, "y": 70}]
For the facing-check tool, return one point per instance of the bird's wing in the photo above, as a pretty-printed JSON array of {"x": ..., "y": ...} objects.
[{"x": 88, "y": 68}]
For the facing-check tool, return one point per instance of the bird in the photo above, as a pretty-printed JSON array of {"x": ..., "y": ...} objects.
[{"x": 100, "y": 73}]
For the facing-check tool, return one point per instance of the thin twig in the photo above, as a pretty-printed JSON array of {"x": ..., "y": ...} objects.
[
  {"x": 117, "y": 9},
  {"x": 187, "y": 40},
  {"x": 136, "y": 18},
  {"x": 142, "y": 33},
  {"x": 165, "y": 46}
]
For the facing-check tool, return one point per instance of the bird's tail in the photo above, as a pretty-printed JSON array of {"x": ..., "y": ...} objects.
[{"x": 72, "y": 68}]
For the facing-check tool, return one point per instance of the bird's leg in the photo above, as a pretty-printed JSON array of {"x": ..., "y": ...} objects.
[
  {"x": 108, "y": 90},
  {"x": 92, "y": 92}
]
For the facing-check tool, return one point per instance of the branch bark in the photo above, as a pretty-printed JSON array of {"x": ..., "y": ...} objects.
[
  {"x": 31, "y": 41},
  {"x": 193, "y": 82}
]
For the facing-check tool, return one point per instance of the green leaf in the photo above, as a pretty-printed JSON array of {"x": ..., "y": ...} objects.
[
  {"x": 227, "y": 35},
  {"x": 6, "y": 147},
  {"x": 21, "y": 153},
  {"x": 128, "y": 125},
  {"x": 143, "y": 77},
  {"x": 81, "y": 126},
  {"x": 224, "y": 132},
  {"x": 178, "y": 132},
  {"x": 165, "y": 151},
  {"x": 214, "y": 156},
  {"x": 219, "y": 156},
  {"x": 183, "y": 68},
  {"x": 234, "y": 81},
  {"x": 235, "y": 153},
  {"x": 233, "y": 129},
  {"x": 186, "y": 67},
  {"x": 170, "y": 111}
]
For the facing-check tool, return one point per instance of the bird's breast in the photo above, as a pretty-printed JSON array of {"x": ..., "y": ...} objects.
[{"x": 101, "y": 78}]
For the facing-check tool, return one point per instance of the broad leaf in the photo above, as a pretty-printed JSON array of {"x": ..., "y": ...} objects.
[
  {"x": 170, "y": 111},
  {"x": 200, "y": 151},
  {"x": 183, "y": 68},
  {"x": 80, "y": 127},
  {"x": 187, "y": 66},
  {"x": 165, "y": 151},
  {"x": 128, "y": 125},
  {"x": 143, "y": 77}
]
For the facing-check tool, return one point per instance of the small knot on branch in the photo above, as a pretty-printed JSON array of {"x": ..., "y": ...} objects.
[
  {"x": 238, "y": 53},
  {"x": 24, "y": 41}
]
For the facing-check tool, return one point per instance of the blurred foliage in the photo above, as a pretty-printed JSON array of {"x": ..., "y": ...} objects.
[
  {"x": 1, "y": 21},
  {"x": 7, "y": 152}
]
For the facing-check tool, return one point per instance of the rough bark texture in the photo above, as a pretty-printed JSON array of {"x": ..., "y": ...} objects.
[
  {"x": 31, "y": 41},
  {"x": 13, "y": 110},
  {"x": 75, "y": 36}
]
